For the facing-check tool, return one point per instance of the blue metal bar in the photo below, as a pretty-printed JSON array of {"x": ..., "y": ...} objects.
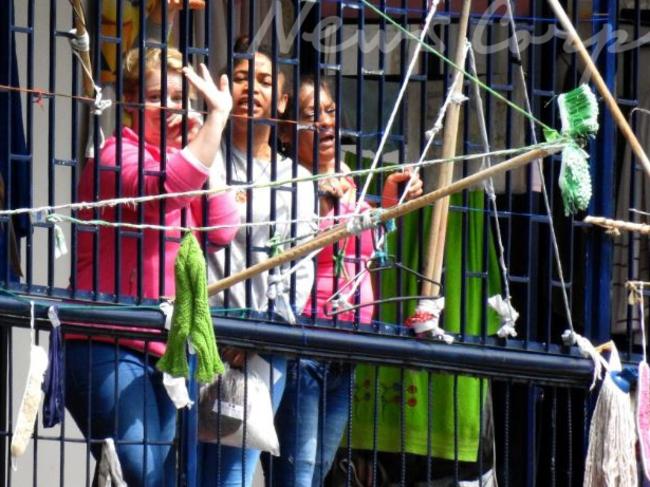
[{"x": 598, "y": 306}]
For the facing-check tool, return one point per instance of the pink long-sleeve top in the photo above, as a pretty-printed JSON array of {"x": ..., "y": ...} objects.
[
  {"x": 326, "y": 273},
  {"x": 182, "y": 173}
]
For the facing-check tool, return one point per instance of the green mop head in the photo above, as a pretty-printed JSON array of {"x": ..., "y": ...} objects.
[
  {"x": 579, "y": 116},
  {"x": 575, "y": 179},
  {"x": 579, "y": 113}
]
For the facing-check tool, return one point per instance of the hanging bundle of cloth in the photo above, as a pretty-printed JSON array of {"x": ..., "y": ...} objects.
[
  {"x": 191, "y": 318},
  {"x": 611, "y": 456}
]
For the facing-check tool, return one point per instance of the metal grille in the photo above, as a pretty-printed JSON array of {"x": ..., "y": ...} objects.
[{"x": 533, "y": 381}]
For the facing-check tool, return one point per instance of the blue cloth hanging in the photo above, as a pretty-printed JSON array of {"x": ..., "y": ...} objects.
[{"x": 53, "y": 407}]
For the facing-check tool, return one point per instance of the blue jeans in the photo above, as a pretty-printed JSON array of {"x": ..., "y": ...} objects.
[
  {"x": 311, "y": 421},
  {"x": 227, "y": 466},
  {"x": 111, "y": 392}
]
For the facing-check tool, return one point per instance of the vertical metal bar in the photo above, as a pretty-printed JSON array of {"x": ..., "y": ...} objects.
[
  {"x": 51, "y": 143},
  {"x": 96, "y": 57},
  {"x": 76, "y": 159},
  {"x": 119, "y": 95},
  {"x": 553, "y": 466},
  {"x": 274, "y": 139},
  {"x": 228, "y": 134},
  {"x": 30, "y": 137},
  {"x": 10, "y": 407},
  {"x": 139, "y": 271},
  {"x": 506, "y": 435},
  {"x": 250, "y": 163},
  {"x": 162, "y": 234},
  {"x": 599, "y": 246},
  {"x": 351, "y": 387}
]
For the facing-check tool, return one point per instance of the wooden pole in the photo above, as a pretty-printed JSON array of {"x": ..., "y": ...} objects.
[
  {"x": 438, "y": 230},
  {"x": 80, "y": 26},
  {"x": 340, "y": 231},
  {"x": 616, "y": 226},
  {"x": 591, "y": 68}
]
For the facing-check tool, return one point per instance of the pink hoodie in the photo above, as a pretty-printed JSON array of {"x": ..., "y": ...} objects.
[{"x": 181, "y": 174}]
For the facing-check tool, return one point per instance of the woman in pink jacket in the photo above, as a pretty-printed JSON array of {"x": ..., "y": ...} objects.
[{"x": 115, "y": 391}]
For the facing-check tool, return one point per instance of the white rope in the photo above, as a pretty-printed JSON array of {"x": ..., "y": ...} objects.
[
  {"x": 587, "y": 350},
  {"x": 81, "y": 44},
  {"x": 503, "y": 307},
  {"x": 278, "y": 289},
  {"x": 437, "y": 127},
  {"x": 547, "y": 204},
  {"x": 367, "y": 220},
  {"x": 396, "y": 106},
  {"x": 432, "y": 309},
  {"x": 507, "y": 314},
  {"x": 130, "y": 201}
]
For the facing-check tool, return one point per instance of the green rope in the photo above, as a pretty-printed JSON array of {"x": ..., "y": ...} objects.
[{"x": 468, "y": 75}]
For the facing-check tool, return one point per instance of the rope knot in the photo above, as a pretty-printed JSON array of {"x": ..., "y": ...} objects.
[
  {"x": 79, "y": 43},
  {"x": 364, "y": 221},
  {"x": 277, "y": 286},
  {"x": 587, "y": 350},
  {"x": 278, "y": 289},
  {"x": 507, "y": 314},
  {"x": 426, "y": 320},
  {"x": 458, "y": 98},
  {"x": 100, "y": 104}
]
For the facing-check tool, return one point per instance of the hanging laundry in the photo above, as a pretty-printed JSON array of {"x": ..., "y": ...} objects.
[
  {"x": 191, "y": 319},
  {"x": 53, "y": 407},
  {"x": 611, "y": 455}
]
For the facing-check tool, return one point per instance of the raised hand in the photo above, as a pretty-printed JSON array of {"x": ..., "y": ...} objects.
[
  {"x": 219, "y": 102},
  {"x": 217, "y": 98},
  {"x": 391, "y": 193}
]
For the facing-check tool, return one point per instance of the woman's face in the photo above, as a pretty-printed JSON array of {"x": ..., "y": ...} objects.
[
  {"x": 325, "y": 125},
  {"x": 262, "y": 88},
  {"x": 153, "y": 112}
]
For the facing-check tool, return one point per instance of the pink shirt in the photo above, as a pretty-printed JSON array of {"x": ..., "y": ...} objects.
[
  {"x": 326, "y": 275},
  {"x": 181, "y": 174}
]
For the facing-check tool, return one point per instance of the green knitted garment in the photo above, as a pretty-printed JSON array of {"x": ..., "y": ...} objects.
[{"x": 191, "y": 318}]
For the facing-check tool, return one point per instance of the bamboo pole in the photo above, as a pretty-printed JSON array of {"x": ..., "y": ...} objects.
[
  {"x": 80, "y": 26},
  {"x": 615, "y": 226},
  {"x": 438, "y": 230},
  {"x": 591, "y": 68},
  {"x": 340, "y": 231}
]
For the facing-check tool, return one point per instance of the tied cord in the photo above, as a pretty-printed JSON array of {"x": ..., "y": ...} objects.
[
  {"x": 507, "y": 313},
  {"x": 427, "y": 318},
  {"x": 587, "y": 350},
  {"x": 278, "y": 291},
  {"x": 364, "y": 221},
  {"x": 79, "y": 44}
]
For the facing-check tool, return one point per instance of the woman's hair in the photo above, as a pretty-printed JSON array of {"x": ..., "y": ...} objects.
[
  {"x": 152, "y": 60},
  {"x": 286, "y": 128},
  {"x": 243, "y": 45}
]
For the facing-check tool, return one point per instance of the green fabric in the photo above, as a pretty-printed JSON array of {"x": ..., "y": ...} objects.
[
  {"x": 575, "y": 180},
  {"x": 415, "y": 385},
  {"x": 191, "y": 318}
]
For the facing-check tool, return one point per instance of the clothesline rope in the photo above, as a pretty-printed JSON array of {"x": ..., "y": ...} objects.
[
  {"x": 508, "y": 325},
  {"x": 451, "y": 63},
  {"x": 111, "y": 202},
  {"x": 540, "y": 169},
  {"x": 396, "y": 105}
]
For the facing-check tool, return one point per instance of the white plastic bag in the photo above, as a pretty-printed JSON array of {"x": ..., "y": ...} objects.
[{"x": 222, "y": 408}]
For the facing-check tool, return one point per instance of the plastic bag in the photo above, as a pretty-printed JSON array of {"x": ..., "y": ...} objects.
[{"x": 222, "y": 408}]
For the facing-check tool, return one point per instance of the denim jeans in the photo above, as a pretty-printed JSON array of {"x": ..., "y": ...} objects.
[
  {"x": 310, "y": 422},
  {"x": 128, "y": 403},
  {"x": 227, "y": 466}
]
